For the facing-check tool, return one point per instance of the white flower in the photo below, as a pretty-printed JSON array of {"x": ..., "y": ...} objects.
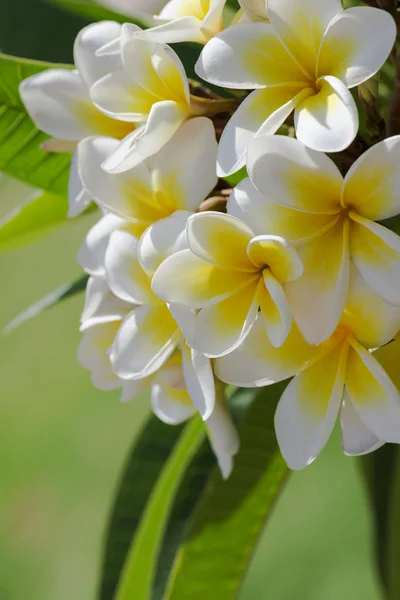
[
  {"x": 179, "y": 177},
  {"x": 58, "y": 102},
  {"x": 340, "y": 375},
  {"x": 187, "y": 21},
  {"x": 300, "y": 195},
  {"x": 306, "y": 60},
  {"x": 151, "y": 90},
  {"x": 230, "y": 274}
]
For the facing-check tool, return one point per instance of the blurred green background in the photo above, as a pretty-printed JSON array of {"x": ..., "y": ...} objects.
[{"x": 63, "y": 443}]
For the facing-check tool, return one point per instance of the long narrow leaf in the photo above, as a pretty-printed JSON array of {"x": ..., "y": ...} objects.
[
  {"x": 65, "y": 291},
  {"x": 224, "y": 529},
  {"x": 20, "y": 141},
  {"x": 139, "y": 571}
]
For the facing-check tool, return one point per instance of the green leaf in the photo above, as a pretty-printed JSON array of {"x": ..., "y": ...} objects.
[
  {"x": 32, "y": 220},
  {"x": 89, "y": 9},
  {"x": 63, "y": 292},
  {"x": 149, "y": 453},
  {"x": 224, "y": 529},
  {"x": 20, "y": 141},
  {"x": 140, "y": 567}
]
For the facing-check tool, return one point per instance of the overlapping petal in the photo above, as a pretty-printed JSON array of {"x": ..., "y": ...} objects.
[
  {"x": 199, "y": 380},
  {"x": 356, "y": 438},
  {"x": 223, "y": 436},
  {"x": 93, "y": 355},
  {"x": 327, "y": 121},
  {"x": 356, "y": 44},
  {"x": 101, "y": 305},
  {"x": 90, "y": 39},
  {"x": 376, "y": 253},
  {"x": 275, "y": 310},
  {"x": 308, "y": 408},
  {"x": 372, "y": 184},
  {"x": 374, "y": 397}
]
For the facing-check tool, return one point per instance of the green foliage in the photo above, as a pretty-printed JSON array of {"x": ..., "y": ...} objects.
[
  {"x": 63, "y": 292},
  {"x": 32, "y": 220},
  {"x": 224, "y": 529},
  {"x": 140, "y": 567},
  {"x": 20, "y": 141},
  {"x": 93, "y": 11}
]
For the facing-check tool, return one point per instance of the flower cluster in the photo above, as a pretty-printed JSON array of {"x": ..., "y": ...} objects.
[{"x": 291, "y": 274}]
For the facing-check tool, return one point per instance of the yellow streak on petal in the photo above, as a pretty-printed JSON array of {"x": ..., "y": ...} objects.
[
  {"x": 389, "y": 358},
  {"x": 363, "y": 386},
  {"x": 102, "y": 124},
  {"x": 369, "y": 191},
  {"x": 159, "y": 326},
  {"x": 141, "y": 202},
  {"x": 266, "y": 58},
  {"x": 336, "y": 55},
  {"x": 318, "y": 381},
  {"x": 279, "y": 258},
  {"x": 371, "y": 248}
]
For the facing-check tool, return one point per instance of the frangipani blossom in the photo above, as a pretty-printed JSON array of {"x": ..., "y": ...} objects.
[
  {"x": 302, "y": 197},
  {"x": 59, "y": 103},
  {"x": 339, "y": 375},
  {"x": 187, "y": 21},
  {"x": 305, "y": 60},
  {"x": 170, "y": 399},
  {"x": 150, "y": 90},
  {"x": 179, "y": 177},
  {"x": 229, "y": 274}
]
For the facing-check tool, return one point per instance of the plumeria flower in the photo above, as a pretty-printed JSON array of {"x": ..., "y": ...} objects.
[
  {"x": 305, "y": 60},
  {"x": 58, "y": 102},
  {"x": 101, "y": 319},
  {"x": 187, "y": 21},
  {"x": 179, "y": 177},
  {"x": 230, "y": 274},
  {"x": 341, "y": 375},
  {"x": 150, "y": 90},
  {"x": 302, "y": 197}
]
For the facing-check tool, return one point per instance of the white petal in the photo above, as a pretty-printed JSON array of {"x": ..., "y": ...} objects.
[
  {"x": 184, "y": 29},
  {"x": 356, "y": 438},
  {"x": 92, "y": 67},
  {"x": 375, "y": 398},
  {"x": 124, "y": 274},
  {"x": 275, "y": 310},
  {"x": 263, "y": 109},
  {"x": 164, "y": 120},
  {"x": 93, "y": 355},
  {"x": 291, "y": 174},
  {"x": 318, "y": 297},
  {"x": 146, "y": 339},
  {"x": 170, "y": 405},
  {"x": 373, "y": 321},
  {"x": 132, "y": 389},
  {"x": 101, "y": 306},
  {"x": 328, "y": 121},
  {"x": 141, "y": 9},
  {"x": 199, "y": 380},
  {"x": 256, "y": 10},
  {"x": 129, "y": 194},
  {"x": 222, "y": 327},
  {"x": 186, "y": 320},
  {"x": 223, "y": 436},
  {"x": 301, "y": 26},
  {"x": 256, "y": 362},
  {"x": 308, "y": 408},
  {"x": 376, "y": 253},
  {"x": 372, "y": 184},
  {"x": 247, "y": 56},
  {"x": 162, "y": 239},
  {"x": 184, "y": 170},
  {"x": 91, "y": 254},
  {"x": 264, "y": 216},
  {"x": 78, "y": 198},
  {"x": 356, "y": 44},
  {"x": 57, "y": 102}
]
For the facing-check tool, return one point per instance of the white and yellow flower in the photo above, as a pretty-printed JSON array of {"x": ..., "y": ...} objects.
[
  {"x": 341, "y": 375},
  {"x": 187, "y": 21},
  {"x": 59, "y": 103},
  {"x": 150, "y": 90},
  {"x": 306, "y": 59},
  {"x": 300, "y": 195},
  {"x": 229, "y": 274}
]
